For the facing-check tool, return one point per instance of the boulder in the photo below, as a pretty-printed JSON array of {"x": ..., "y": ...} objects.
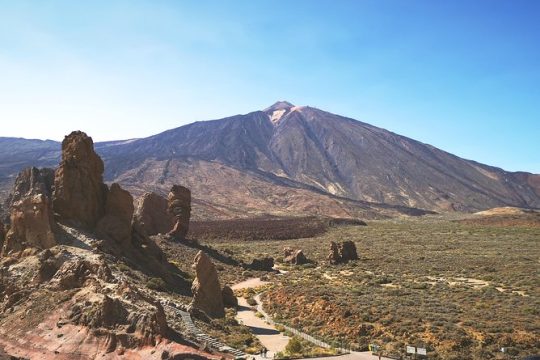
[
  {"x": 297, "y": 257},
  {"x": 334, "y": 257},
  {"x": 207, "y": 295},
  {"x": 79, "y": 192},
  {"x": 342, "y": 253},
  {"x": 263, "y": 264},
  {"x": 179, "y": 207},
  {"x": 347, "y": 251},
  {"x": 229, "y": 300},
  {"x": 151, "y": 213},
  {"x": 116, "y": 223}
]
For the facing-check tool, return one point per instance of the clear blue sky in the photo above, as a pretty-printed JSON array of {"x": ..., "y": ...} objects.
[{"x": 461, "y": 75}]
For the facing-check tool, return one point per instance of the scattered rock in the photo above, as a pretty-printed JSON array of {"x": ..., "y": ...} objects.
[
  {"x": 79, "y": 192},
  {"x": 207, "y": 295},
  {"x": 264, "y": 264},
  {"x": 179, "y": 207},
  {"x": 116, "y": 223},
  {"x": 295, "y": 257},
  {"x": 342, "y": 253},
  {"x": 229, "y": 300},
  {"x": 151, "y": 213}
]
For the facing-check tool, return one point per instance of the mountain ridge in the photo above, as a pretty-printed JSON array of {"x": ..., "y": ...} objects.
[{"x": 301, "y": 148}]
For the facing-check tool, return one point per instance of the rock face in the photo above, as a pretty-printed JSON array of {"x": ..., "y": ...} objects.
[
  {"x": 79, "y": 192},
  {"x": 179, "y": 207},
  {"x": 31, "y": 218},
  {"x": 295, "y": 257},
  {"x": 207, "y": 295},
  {"x": 151, "y": 212},
  {"x": 229, "y": 300},
  {"x": 342, "y": 253},
  {"x": 116, "y": 223}
]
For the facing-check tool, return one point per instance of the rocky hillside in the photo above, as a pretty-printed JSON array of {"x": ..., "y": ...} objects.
[
  {"x": 294, "y": 159},
  {"x": 82, "y": 279}
]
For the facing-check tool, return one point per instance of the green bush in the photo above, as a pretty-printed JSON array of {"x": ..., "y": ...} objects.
[
  {"x": 294, "y": 346},
  {"x": 156, "y": 284}
]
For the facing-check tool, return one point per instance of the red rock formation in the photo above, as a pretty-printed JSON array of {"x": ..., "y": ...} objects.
[
  {"x": 79, "y": 192},
  {"x": 179, "y": 206},
  {"x": 32, "y": 222},
  {"x": 206, "y": 290},
  {"x": 32, "y": 225},
  {"x": 151, "y": 213},
  {"x": 116, "y": 223}
]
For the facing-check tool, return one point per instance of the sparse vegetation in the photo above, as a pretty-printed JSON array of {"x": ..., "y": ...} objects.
[{"x": 452, "y": 287}]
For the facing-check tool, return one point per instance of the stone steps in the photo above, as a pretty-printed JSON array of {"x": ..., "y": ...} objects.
[{"x": 199, "y": 335}]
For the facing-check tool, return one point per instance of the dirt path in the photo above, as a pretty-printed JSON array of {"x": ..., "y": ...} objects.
[{"x": 267, "y": 334}]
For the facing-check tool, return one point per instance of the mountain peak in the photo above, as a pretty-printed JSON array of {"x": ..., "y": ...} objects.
[{"x": 279, "y": 105}]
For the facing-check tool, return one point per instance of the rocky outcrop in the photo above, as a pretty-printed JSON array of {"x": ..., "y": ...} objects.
[
  {"x": 295, "y": 257},
  {"x": 31, "y": 218},
  {"x": 75, "y": 273},
  {"x": 31, "y": 181},
  {"x": 342, "y": 253},
  {"x": 179, "y": 207},
  {"x": 263, "y": 264},
  {"x": 207, "y": 295},
  {"x": 116, "y": 223},
  {"x": 151, "y": 213},
  {"x": 229, "y": 300},
  {"x": 79, "y": 192}
]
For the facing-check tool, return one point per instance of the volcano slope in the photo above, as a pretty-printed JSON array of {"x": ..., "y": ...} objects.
[{"x": 295, "y": 160}]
